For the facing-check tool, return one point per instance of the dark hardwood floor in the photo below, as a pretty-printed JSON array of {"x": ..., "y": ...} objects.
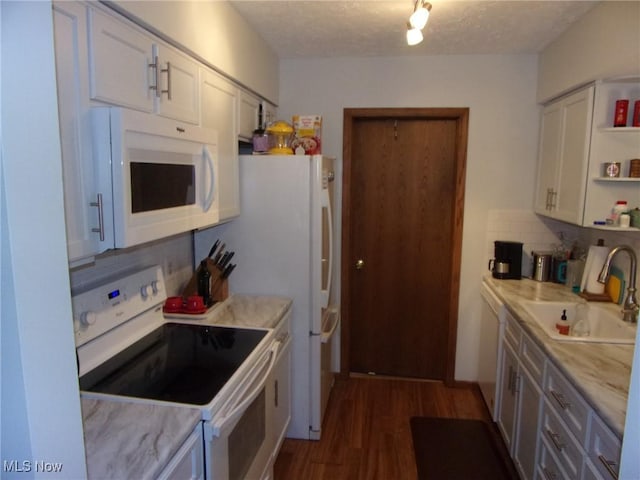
[{"x": 366, "y": 433}]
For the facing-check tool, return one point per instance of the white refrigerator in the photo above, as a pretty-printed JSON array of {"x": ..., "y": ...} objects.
[{"x": 283, "y": 244}]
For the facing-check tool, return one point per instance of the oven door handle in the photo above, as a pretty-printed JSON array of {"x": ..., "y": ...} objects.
[{"x": 218, "y": 425}]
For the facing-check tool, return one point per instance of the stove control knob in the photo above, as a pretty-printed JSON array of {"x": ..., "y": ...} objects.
[
  {"x": 87, "y": 318},
  {"x": 145, "y": 291},
  {"x": 155, "y": 287}
]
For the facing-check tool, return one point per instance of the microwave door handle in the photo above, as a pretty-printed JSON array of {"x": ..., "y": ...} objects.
[
  {"x": 326, "y": 204},
  {"x": 219, "y": 425},
  {"x": 208, "y": 159}
]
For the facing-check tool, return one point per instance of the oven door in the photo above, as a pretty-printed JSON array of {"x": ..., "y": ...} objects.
[
  {"x": 163, "y": 174},
  {"x": 237, "y": 440}
]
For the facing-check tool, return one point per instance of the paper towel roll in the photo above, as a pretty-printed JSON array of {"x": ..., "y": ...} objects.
[{"x": 595, "y": 259}]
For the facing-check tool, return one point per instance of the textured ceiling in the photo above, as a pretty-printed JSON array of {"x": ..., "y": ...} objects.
[{"x": 325, "y": 28}]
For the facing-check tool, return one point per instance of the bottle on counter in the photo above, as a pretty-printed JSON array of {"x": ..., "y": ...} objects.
[{"x": 563, "y": 324}]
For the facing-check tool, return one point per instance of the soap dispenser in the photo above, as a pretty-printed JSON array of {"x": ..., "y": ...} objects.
[{"x": 563, "y": 324}]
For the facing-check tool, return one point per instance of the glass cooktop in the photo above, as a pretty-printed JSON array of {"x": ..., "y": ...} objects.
[{"x": 180, "y": 363}]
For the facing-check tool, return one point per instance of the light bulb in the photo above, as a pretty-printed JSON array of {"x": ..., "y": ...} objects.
[
  {"x": 418, "y": 19},
  {"x": 414, "y": 36}
]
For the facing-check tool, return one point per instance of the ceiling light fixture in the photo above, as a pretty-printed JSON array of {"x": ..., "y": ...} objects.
[
  {"x": 414, "y": 35},
  {"x": 417, "y": 22}
]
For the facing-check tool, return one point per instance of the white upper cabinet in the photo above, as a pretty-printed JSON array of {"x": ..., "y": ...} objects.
[
  {"x": 270, "y": 113},
  {"x": 178, "y": 82},
  {"x": 220, "y": 111},
  {"x": 247, "y": 115},
  {"x": 576, "y": 138},
  {"x": 120, "y": 61},
  {"x": 82, "y": 199},
  {"x": 565, "y": 133},
  {"x": 132, "y": 69}
]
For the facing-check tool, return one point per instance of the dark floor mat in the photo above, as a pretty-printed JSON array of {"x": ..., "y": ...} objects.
[{"x": 456, "y": 449}]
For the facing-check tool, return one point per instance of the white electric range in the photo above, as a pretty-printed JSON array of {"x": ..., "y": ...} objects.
[{"x": 128, "y": 351}]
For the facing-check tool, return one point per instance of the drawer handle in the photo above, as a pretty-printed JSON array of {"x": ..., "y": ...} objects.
[
  {"x": 560, "y": 399},
  {"x": 548, "y": 474},
  {"x": 555, "y": 438},
  {"x": 608, "y": 464}
]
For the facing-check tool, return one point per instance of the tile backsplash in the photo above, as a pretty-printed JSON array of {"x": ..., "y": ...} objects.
[
  {"x": 173, "y": 254},
  {"x": 541, "y": 233}
]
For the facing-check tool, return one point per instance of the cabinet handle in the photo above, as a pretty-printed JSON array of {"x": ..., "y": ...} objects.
[
  {"x": 555, "y": 438},
  {"x": 558, "y": 397},
  {"x": 154, "y": 65},
  {"x": 98, "y": 204},
  {"x": 554, "y": 196},
  {"x": 275, "y": 399},
  {"x": 516, "y": 382},
  {"x": 548, "y": 474},
  {"x": 547, "y": 205},
  {"x": 608, "y": 464},
  {"x": 168, "y": 72}
]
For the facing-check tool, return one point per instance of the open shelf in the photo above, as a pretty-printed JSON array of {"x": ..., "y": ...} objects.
[{"x": 616, "y": 179}]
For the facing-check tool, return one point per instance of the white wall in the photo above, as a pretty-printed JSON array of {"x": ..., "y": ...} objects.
[
  {"x": 215, "y": 32},
  {"x": 603, "y": 43},
  {"x": 502, "y": 143},
  {"x": 41, "y": 417}
]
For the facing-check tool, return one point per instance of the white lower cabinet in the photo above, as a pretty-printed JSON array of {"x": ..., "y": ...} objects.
[
  {"x": 188, "y": 462},
  {"x": 548, "y": 467},
  {"x": 550, "y": 430},
  {"x": 508, "y": 399},
  {"x": 562, "y": 443},
  {"x": 603, "y": 452},
  {"x": 525, "y": 448},
  {"x": 520, "y": 397}
]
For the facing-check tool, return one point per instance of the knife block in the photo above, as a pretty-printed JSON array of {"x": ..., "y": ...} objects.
[{"x": 219, "y": 285}]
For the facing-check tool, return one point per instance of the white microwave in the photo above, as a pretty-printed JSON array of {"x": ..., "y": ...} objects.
[{"x": 161, "y": 175}]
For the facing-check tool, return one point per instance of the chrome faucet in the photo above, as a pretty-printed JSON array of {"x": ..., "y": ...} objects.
[{"x": 630, "y": 307}]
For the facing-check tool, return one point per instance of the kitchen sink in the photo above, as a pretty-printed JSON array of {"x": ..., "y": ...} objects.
[{"x": 605, "y": 324}]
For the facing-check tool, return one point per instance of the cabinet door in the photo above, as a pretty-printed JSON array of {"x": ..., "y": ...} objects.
[
  {"x": 269, "y": 112},
  {"x": 508, "y": 399},
  {"x": 247, "y": 115},
  {"x": 549, "y": 157},
  {"x": 565, "y": 133},
  {"x": 120, "y": 58},
  {"x": 178, "y": 93},
  {"x": 529, "y": 405},
  {"x": 574, "y": 154},
  {"x": 79, "y": 177},
  {"x": 219, "y": 111}
]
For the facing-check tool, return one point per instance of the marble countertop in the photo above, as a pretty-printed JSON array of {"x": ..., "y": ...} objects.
[
  {"x": 250, "y": 311},
  {"x": 133, "y": 440},
  {"x": 136, "y": 440},
  {"x": 599, "y": 371}
]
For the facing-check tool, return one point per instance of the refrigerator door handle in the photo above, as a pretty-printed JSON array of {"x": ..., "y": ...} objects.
[
  {"x": 333, "y": 318},
  {"x": 325, "y": 203}
]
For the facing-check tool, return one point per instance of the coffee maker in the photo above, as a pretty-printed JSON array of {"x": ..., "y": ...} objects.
[{"x": 507, "y": 263}]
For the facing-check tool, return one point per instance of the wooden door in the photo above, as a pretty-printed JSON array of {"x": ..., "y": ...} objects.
[{"x": 402, "y": 226}]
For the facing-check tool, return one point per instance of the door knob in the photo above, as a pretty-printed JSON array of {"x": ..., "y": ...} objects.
[{"x": 360, "y": 264}]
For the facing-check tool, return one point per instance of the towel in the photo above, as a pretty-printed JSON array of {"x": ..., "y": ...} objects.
[{"x": 595, "y": 259}]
